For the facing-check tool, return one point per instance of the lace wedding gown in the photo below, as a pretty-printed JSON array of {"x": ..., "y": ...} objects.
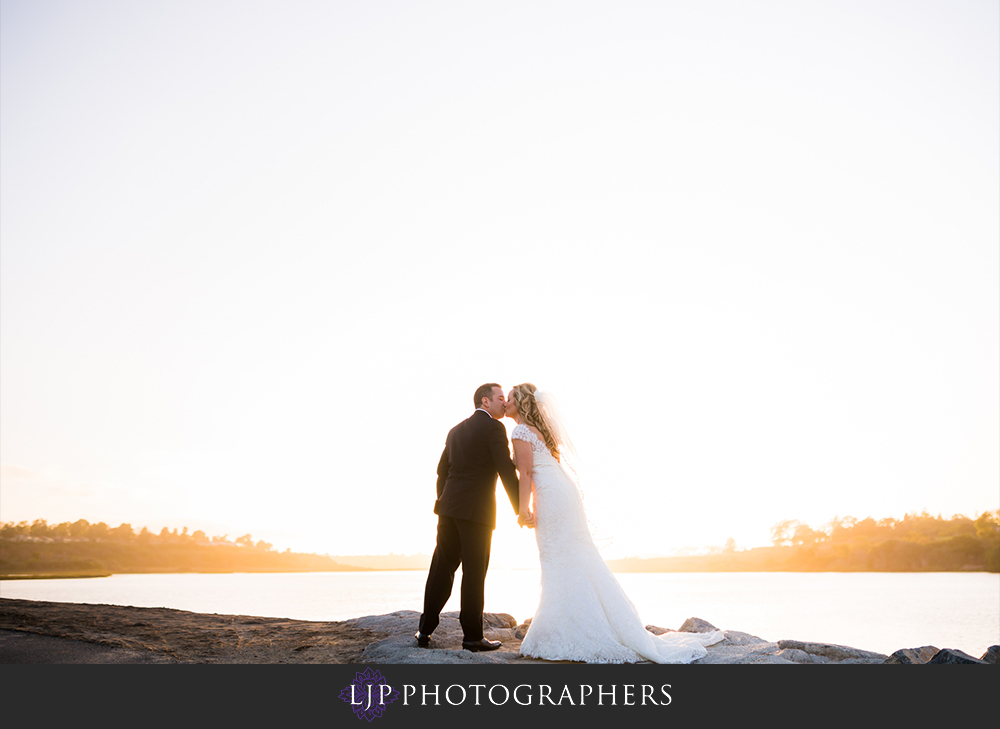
[{"x": 583, "y": 614}]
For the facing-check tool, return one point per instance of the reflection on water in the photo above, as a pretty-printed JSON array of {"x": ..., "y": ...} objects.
[{"x": 874, "y": 611}]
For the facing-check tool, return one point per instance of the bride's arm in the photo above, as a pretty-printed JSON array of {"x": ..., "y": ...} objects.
[{"x": 522, "y": 460}]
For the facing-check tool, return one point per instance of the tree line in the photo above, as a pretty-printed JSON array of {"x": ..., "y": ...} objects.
[
  {"x": 82, "y": 529},
  {"x": 915, "y": 543},
  {"x": 81, "y": 548}
]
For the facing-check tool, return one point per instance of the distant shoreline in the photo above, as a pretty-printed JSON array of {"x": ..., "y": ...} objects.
[
  {"x": 615, "y": 568},
  {"x": 917, "y": 543},
  {"x": 72, "y": 575},
  {"x": 53, "y": 576}
]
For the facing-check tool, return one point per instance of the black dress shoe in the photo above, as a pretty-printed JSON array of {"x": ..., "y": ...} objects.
[
  {"x": 422, "y": 640},
  {"x": 481, "y": 645}
]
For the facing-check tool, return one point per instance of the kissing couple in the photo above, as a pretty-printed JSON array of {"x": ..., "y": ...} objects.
[{"x": 583, "y": 614}]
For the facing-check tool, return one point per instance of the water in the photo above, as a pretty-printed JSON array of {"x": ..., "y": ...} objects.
[{"x": 874, "y": 611}]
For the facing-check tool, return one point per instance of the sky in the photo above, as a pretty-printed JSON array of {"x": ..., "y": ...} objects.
[{"x": 256, "y": 257}]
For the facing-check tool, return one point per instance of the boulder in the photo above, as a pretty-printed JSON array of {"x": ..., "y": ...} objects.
[
  {"x": 446, "y": 641},
  {"x": 992, "y": 655},
  {"x": 744, "y": 648},
  {"x": 953, "y": 655},
  {"x": 736, "y": 638},
  {"x": 657, "y": 630},
  {"x": 794, "y": 655},
  {"x": 522, "y": 630},
  {"x": 913, "y": 656},
  {"x": 697, "y": 625},
  {"x": 490, "y": 620},
  {"x": 838, "y": 653}
]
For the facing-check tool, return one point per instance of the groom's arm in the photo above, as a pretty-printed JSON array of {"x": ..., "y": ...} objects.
[
  {"x": 444, "y": 465},
  {"x": 500, "y": 450}
]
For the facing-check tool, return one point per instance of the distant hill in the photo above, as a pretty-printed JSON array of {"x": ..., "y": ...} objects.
[
  {"x": 916, "y": 543},
  {"x": 81, "y": 549}
]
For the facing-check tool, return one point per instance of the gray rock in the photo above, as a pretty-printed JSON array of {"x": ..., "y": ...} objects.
[
  {"x": 393, "y": 642},
  {"x": 400, "y": 621},
  {"x": 858, "y": 661},
  {"x": 697, "y": 625},
  {"x": 490, "y": 620},
  {"x": 398, "y": 650},
  {"x": 446, "y": 641},
  {"x": 951, "y": 655},
  {"x": 768, "y": 659},
  {"x": 839, "y": 653},
  {"x": 522, "y": 630},
  {"x": 657, "y": 630},
  {"x": 743, "y": 648},
  {"x": 794, "y": 655},
  {"x": 992, "y": 655},
  {"x": 913, "y": 656},
  {"x": 736, "y": 638}
]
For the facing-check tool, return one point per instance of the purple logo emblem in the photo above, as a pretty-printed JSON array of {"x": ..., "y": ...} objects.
[{"x": 369, "y": 694}]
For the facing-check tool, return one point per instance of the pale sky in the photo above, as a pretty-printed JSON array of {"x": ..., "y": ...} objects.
[{"x": 255, "y": 257}]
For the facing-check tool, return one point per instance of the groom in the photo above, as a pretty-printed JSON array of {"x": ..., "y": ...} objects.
[{"x": 475, "y": 453}]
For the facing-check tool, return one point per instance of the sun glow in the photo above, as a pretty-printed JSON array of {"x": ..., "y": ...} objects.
[{"x": 753, "y": 249}]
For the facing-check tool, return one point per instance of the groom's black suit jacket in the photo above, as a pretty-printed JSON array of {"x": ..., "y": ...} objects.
[{"x": 475, "y": 453}]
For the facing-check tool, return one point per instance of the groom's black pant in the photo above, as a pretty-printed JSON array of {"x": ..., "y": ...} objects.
[{"x": 459, "y": 542}]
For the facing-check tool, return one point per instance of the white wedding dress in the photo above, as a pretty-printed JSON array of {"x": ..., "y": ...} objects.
[{"x": 583, "y": 614}]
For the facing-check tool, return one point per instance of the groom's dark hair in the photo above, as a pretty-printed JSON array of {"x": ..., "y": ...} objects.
[{"x": 484, "y": 391}]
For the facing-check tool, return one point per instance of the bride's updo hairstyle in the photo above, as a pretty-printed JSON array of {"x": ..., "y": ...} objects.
[{"x": 527, "y": 408}]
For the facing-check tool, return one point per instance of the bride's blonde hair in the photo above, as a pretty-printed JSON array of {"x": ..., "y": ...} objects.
[{"x": 527, "y": 408}]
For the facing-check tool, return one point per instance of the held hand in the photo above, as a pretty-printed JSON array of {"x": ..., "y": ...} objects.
[{"x": 526, "y": 520}]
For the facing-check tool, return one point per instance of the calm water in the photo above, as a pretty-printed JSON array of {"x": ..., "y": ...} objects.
[{"x": 875, "y": 611}]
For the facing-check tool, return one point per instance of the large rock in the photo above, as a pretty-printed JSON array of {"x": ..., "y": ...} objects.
[
  {"x": 490, "y": 620},
  {"x": 446, "y": 641},
  {"x": 794, "y": 655},
  {"x": 952, "y": 655},
  {"x": 913, "y": 656},
  {"x": 838, "y": 653},
  {"x": 697, "y": 625},
  {"x": 522, "y": 630},
  {"x": 743, "y": 648},
  {"x": 992, "y": 655},
  {"x": 657, "y": 630}
]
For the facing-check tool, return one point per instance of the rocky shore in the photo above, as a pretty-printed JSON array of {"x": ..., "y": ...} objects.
[{"x": 168, "y": 635}]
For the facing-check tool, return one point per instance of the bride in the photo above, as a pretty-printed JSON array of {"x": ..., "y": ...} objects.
[{"x": 583, "y": 614}]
